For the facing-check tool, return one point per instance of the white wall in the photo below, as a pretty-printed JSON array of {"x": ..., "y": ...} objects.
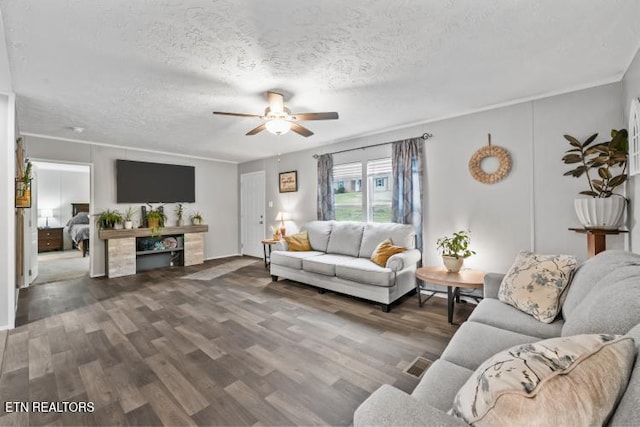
[
  {"x": 57, "y": 189},
  {"x": 531, "y": 209},
  {"x": 216, "y": 190},
  {"x": 630, "y": 90},
  {"x": 7, "y": 212}
]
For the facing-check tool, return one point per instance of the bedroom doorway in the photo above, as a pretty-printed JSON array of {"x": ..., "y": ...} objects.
[{"x": 60, "y": 213}]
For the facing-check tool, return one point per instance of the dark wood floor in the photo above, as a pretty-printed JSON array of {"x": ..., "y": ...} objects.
[{"x": 155, "y": 349}]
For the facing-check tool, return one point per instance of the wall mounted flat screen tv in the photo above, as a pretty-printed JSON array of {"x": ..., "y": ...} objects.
[{"x": 143, "y": 182}]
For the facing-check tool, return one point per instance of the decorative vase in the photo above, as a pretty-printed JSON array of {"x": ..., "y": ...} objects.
[
  {"x": 153, "y": 222},
  {"x": 180, "y": 222},
  {"x": 600, "y": 213},
  {"x": 452, "y": 264},
  {"x": 128, "y": 225},
  {"x": 196, "y": 221}
]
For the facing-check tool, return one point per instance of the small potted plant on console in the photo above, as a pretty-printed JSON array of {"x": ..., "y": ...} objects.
[
  {"x": 196, "y": 218},
  {"x": 108, "y": 219}
]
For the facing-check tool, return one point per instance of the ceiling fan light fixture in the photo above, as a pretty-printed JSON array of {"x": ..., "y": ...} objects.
[{"x": 278, "y": 126}]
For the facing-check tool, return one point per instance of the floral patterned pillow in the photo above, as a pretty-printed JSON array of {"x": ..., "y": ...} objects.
[
  {"x": 575, "y": 380},
  {"x": 535, "y": 283}
]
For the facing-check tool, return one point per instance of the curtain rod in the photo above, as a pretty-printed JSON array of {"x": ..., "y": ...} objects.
[{"x": 424, "y": 136}]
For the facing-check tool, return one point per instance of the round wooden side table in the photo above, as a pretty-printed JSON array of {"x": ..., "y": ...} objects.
[{"x": 472, "y": 279}]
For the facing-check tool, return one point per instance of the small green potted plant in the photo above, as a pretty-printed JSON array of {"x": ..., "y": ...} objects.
[
  {"x": 600, "y": 209},
  {"x": 196, "y": 218},
  {"x": 179, "y": 215},
  {"x": 108, "y": 219},
  {"x": 155, "y": 220},
  {"x": 454, "y": 249},
  {"x": 127, "y": 218}
]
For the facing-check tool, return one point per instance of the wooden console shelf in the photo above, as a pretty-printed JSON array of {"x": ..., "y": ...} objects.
[
  {"x": 146, "y": 232},
  {"x": 125, "y": 253}
]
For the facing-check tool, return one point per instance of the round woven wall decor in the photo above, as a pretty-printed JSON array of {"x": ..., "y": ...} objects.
[{"x": 475, "y": 164}]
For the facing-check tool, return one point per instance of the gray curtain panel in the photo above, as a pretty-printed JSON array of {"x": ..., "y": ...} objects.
[
  {"x": 326, "y": 201},
  {"x": 406, "y": 203}
]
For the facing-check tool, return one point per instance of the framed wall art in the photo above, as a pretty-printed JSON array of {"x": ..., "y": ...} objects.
[{"x": 288, "y": 182}]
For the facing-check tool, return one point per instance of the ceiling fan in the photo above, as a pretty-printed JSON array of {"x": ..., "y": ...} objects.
[{"x": 279, "y": 119}]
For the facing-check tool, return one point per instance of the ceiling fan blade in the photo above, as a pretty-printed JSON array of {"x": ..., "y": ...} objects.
[
  {"x": 256, "y": 130},
  {"x": 301, "y": 130},
  {"x": 315, "y": 116},
  {"x": 237, "y": 114},
  {"x": 276, "y": 102}
]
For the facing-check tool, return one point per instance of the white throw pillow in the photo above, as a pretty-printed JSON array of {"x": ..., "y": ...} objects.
[
  {"x": 535, "y": 283},
  {"x": 565, "y": 381}
]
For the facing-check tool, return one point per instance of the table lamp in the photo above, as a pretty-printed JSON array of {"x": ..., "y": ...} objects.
[
  {"x": 46, "y": 213},
  {"x": 282, "y": 217}
]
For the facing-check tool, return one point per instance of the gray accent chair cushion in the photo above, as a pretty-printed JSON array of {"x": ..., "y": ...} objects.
[
  {"x": 345, "y": 238},
  {"x": 589, "y": 274},
  {"x": 628, "y": 411},
  {"x": 614, "y": 309},
  {"x": 445, "y": 377},
  {"x": 364, "y": 271},
  {"x": 291, "y": 259},
  {"x": 374, "y": 234},
  {"x": 318, "y": 232},
  {"x": 324, "y": 264},
  {"x": 476, "y": 342},
  {"x": 496, "y": 313}
]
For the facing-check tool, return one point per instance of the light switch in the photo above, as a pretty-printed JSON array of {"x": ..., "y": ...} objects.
[{"x": 270, "y": 204}]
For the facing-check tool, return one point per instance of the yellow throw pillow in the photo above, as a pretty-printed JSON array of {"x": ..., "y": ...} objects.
[
  {"x": 384, "y": 251},
  {"x": 298, "y": 242}
]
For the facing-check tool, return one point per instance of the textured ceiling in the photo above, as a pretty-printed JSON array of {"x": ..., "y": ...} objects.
[{"x": 148, "y": 74}]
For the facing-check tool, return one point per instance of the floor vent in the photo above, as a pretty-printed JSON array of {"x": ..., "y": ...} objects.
[{"x": 418, "y": 367}]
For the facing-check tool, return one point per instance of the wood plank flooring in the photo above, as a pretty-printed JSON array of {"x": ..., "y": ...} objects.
[{"x": 157, "y": 349}]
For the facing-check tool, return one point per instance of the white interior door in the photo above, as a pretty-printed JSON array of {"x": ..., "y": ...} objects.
[{"x": 252, "y": 220}]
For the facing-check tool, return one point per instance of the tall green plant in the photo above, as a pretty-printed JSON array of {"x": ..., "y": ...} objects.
[{"x": 608, "y": 158}]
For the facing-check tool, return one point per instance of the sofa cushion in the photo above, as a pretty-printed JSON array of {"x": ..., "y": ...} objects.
[
  {"x": 298, "y": 242},
  {"x": 345, "y": 238},
  {"x": 612, "y": 309},
  {"x": 474, "y": 343},
  {"x": 495, "y": 313},
  {"x": 374, "y": 233},
  {"x": 292, "y": 259},
  {"x": 536, "y": 384},
  {"x": 319, "y": 232},
  {"x": 589, "y": 274},
  {"x": 324, "y": 264},
  {"x": 440, "y": 384},
  {"x": 364, "y": 271},
  {"x": 384, "y": 251},
  {"x": 535, "y": 282}
]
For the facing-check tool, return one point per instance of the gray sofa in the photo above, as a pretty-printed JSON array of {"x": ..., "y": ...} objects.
[
  {"x": 339, "y": 260},
  {"x": 604, "y": 297}
]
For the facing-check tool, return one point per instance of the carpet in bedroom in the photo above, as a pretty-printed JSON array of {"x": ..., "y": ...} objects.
[{"x": 57, "y": 266}]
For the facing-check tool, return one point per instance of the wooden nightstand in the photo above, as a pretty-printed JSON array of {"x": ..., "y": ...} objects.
[{"x": 50, "y": 239}]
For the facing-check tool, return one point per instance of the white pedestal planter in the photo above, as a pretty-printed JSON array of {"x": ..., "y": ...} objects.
[
  {"x": 604, "y": 214},
  {"x": 452, "y": 264}
]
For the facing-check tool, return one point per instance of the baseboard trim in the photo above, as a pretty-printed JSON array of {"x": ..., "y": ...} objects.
[{"x": 222, "y": 256}]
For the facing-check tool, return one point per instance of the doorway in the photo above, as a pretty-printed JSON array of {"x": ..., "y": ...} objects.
[
  {"x": 252, "y": 213},
  {"x": 60, "y": 237}
]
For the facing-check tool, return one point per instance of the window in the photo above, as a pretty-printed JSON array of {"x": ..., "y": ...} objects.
[
  {"x": 379, "y": 194},
  {"x": 355, "y": 203},
  {"x": 347, "y": 188}
]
